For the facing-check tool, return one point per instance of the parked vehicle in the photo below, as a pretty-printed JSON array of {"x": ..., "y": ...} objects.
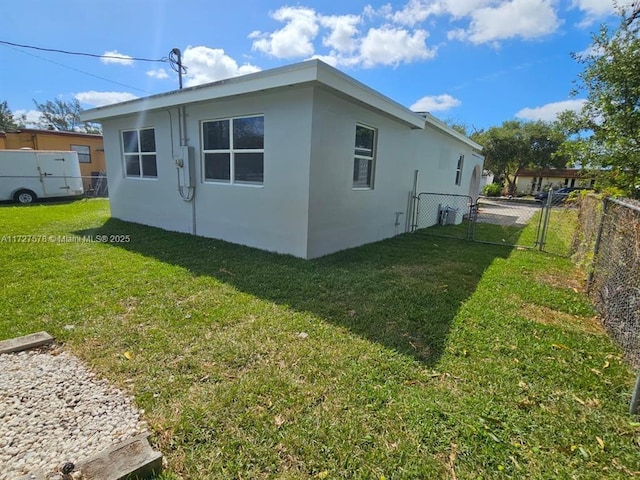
[
  {"x": 27, "y": 175},
  {"x": 559, "y": 195}
]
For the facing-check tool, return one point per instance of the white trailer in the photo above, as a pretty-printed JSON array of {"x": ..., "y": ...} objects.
[{"x": 26, "y": 175}]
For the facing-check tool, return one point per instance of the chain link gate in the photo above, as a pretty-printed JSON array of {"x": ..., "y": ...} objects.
[{"x": 513, "y": 222}]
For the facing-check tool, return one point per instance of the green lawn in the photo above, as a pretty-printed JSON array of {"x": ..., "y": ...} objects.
[{"x": 415, "y": 357}]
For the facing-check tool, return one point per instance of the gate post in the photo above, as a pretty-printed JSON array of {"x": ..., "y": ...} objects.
[
  {"x": 596, "y": 246},
  {"x": 546, "y": 211}
]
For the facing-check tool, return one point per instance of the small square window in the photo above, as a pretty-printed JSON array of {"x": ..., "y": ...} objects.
[
  {"x": 139, "y": 151},
  {"x": 217, "y": 167},
  {"x": 216, "y": 135},
  {"x": 249, "y": 167}
]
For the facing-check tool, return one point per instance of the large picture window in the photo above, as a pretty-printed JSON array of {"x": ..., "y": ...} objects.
[
  {"x": 139, "y": 151},
  {"x": 84, "y": 153},
  {"x": 233, "y": 150},
  {"x": 364, "y": 157}
]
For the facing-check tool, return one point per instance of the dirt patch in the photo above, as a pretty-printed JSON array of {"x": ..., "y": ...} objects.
[
  {"x": 548, "y": 316},
  {"x": 575, "y": 280}
]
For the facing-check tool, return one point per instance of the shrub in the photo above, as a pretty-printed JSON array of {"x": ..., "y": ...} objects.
[{"x": 492, "y": 190}]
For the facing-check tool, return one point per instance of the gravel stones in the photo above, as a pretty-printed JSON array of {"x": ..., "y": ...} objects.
[{"x": 53, "y": 410}]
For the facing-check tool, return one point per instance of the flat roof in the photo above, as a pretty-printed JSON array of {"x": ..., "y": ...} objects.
[
  {"x": 311, "y": 72},
  {"x": 40, "y": 131}
]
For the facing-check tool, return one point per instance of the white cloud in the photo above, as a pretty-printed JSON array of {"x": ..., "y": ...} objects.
[
  {"x": 596, "y": 9},
  {"x": 526, "y": 19},
  {"x": 343, "y": 30},
  {"x": 122, "y": 60},
  {"x": 590, "y": 51},
  {"x": 386, "y": 44},
  {"x": 159, "y": 73},
  {"x": 392, "y": 46},
  {"x": 435, "y": 103},
  {"x": 550, "y": 111},
  {"x": 295, "y": 39},
  {"x": 98, "y": 99},
  {"x": 31, "y": 118},
  {"x": 416, "y": 11},
  {"x": 211, "y": 64},
  {"x": 463, "y": 8},
  {"x": 332, "y": 60},
  {"x": 600, "y": 8}
]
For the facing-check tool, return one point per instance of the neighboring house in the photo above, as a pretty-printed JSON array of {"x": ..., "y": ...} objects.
[
  {"x": 301, "y": 159},
  {"x": 90, "y": 147},
  {"x": 534, "y": 181}
]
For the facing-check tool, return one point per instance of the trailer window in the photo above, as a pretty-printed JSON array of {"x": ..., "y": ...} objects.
[{"x": 139, "y": 153}]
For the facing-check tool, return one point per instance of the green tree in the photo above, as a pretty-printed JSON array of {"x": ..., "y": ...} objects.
[
  {"x": 63, "y": 116},
  {"x": 605, "y": 134},
  {"x": 8, "y": 120},
  {"x": 516, "y": 145}
]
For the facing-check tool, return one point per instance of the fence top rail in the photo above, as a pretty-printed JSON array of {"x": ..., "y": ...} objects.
[
  {"x": 626, "y": 203},
  {"x": 444, "y": 194}
]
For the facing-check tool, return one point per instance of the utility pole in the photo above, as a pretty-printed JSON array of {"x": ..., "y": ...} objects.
[{"x": 175, "y": 59}]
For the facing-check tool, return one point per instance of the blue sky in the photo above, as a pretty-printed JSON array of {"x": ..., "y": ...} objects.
[{"x": 477, "y": 62}]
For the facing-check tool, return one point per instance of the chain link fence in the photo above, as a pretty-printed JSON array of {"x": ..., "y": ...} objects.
[
  {"x": 607, "y": 244},
  {"x": 502, "y": 221},
  {"x": 446, "y": 215}
]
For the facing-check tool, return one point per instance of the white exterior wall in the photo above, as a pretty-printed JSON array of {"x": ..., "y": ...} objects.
[
  {"x": 148, "y": 201},
  {"x": 341, "y": 217},
  {"x": 307, "y": 206},
  {"x": 437, "y": 159},
  {"x": 271, "y": 217}
]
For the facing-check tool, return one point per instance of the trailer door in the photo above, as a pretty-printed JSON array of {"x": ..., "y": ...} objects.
[{"x": 53, "y": 174}]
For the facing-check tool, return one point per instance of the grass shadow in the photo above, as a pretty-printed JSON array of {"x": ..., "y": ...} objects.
[{"x": 403, "y": 293}]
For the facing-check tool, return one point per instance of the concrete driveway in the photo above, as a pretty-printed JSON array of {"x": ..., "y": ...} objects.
[{"x": 505, "y": 212}]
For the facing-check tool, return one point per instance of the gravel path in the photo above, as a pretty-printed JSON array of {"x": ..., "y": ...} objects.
[{"x": 54, "y": 410}]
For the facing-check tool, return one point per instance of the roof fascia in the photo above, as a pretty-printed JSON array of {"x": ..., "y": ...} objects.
[
  {"x": 310, "y": 72},
  {"x": 296, "y": 74}
]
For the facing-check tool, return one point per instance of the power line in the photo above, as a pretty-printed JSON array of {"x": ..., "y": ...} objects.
[
  {"x": 77, "y": 70},
  {"x": 67, "y": 52}
]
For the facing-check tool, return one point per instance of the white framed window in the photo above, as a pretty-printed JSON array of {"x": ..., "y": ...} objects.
[
  {"x": 139, "y": 153},
  {"x": 364, "y": 157},
  {"x": 233, "y": 150},
  {"x": 459, "y": 168},
  {"x": 84, "y": 153}
]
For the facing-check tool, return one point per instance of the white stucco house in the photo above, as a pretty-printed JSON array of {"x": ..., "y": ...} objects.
[{"x": 300, "y": 159}]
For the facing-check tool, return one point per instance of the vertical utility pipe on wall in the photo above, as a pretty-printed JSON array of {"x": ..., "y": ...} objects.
[
  {"x": 189, "y": 196},
  {"x": 414, "y": 203}
]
